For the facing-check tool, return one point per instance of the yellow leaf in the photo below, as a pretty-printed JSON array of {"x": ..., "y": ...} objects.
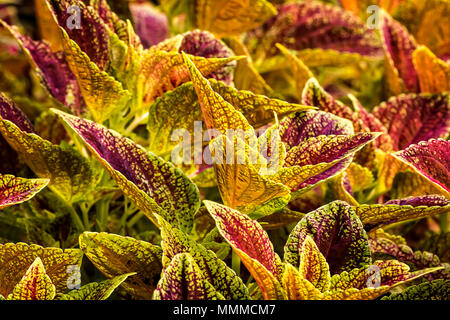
[
  {"x": 225, "y": 17},
  {"x": 433, "y": 73},
  {"x": 297, "y": 287},
  {"x": 103, "y": 95}
]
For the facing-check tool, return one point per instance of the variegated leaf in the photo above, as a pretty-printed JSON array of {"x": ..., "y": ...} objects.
[
  {"x": 338, "y": 233},
  {"x": 313, "y": 266},
  {"x": 223, "y": 279},
  {"x": 378, "y": 215},
  {"x": 16, "y": 258},
  {"x": 35, "y": 284},
  {"x": 183, "y": 280},
  {"x": 103, "y": 95},
  {"x": 155, "y": 185},
  {"x": 14, "y": 190},
  {"x": 116, "y": 255},
  {"x": 232, "y": 17},
  {"x": 245, "y": 234},
  {"x": 95, "y": 290}
]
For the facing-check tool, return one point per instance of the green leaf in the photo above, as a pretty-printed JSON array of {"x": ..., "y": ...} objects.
[
  {"x": 183, "y": 280},
  {"x": 95, "y": 290},
  {"x": 224, "y": 279},
  {"x": 435, "y": 290},
  {"x": 337, "y": 232},
  {"x": 116, "y": 255},
  {"x": 15, "y": 259},
  {"x": 155, "y": 185}
]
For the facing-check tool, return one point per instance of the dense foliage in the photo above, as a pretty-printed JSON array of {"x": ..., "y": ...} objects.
[{"x": 119, "y": 177}]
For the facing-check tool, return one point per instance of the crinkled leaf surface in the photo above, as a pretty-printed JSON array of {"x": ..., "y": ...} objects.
[
  {"x": 91, "y": 37},
  {"x": 232, "y": 17},
  {"x": 14, "y": 190},
  {"x": 377, "y": 215},
  {"x": 102, "y": 93},
  {"x": 313, "y": 266},
  {"x": 245, "y": 234},
  {"x": 116, "y": 255},
  {"x": 35, "y": 284},
  {"x": 338, "y": 233},
  {"x": 183, "y": 280},
  {"x": 155, "y": 185},
  {"x": 241, "y": 185},
  {"x": 69, "y": 172},
  {"x": 412, "y": 118},
  {"x": 178, "y": 109},
  {"x": 430, "y": 159},
  {"x": 223, "y": 279},
  {"x": 15, "y": 259},
  {"x": 436, "y": 290},
  {"x": 95, "y": 290},
  {"x": 313, "y": 24},
  {"x": 296, "y": 286}
]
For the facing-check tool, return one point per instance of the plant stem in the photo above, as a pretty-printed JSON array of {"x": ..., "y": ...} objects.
[{"x": 235, "y": 263}]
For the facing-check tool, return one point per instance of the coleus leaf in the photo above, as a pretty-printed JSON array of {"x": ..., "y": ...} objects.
[
  {"x": 53, "y": 69},
  {"x": 14, "y": 190},
  {"x": 432, "y": 72},
  {"x": 421, "y": 17},
  {"x": 164, "y": 117},
  {"x": 102, "y": 93},
  {"x": 116, "y": 255},
  {"x": 69, "y": 172},
  {"x": 435, "y": 290},
  {"x": 183, "y": 280},
  {"x": 217, "y": 112},
  {"x": 430, "y": 160},
  {"x": 34, "y": 285},
  {"x": 154, "y": 185},
  {"x": 399, "y": 46},
  {"x": 228, "y": 18},
  {"x": 412, "y": 118},
  {"x": 377, "y": 215},
  {"x": 416, "y": 259},
  {"x": 223, "y": 279},
  {"x": 296, "y": 286},
  {"x": 391, "y": 273},
  {"x": 313, "y": 266},
  {"x": 247, "y": 235},
  {"x": 338, "y": 233},
  {"x": 269, "y": 285},
  {"x": 319, "y": 158},
  {"x": 15, "y": 259},
  {"x": 298, "y": 127},
  {"x": 91, "y": 37},
  {"x": 204, "y": 44},
  {"x": 164, "y": 71},
  {"x": 95, "y": 290},
  {"x": 241, "y": 185},
  {"x": 151, "y": 25},
  {"x": 313, "y": 24},
  {"x": 246, "y": 77},
  {"x": 300, "y": 71}
]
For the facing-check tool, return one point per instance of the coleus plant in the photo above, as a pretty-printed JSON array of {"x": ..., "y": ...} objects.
[{"x": 335, "y": 190}]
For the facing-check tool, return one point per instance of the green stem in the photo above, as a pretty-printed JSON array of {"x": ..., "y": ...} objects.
[
  {"x": 444, "y": 222},
  {"x": 135, "y": 219},
  {"x": 235, "y": 263}
]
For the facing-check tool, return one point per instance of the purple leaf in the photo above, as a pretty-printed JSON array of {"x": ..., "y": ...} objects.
[
  {"x": 412, "y": 118},
  {"x": 151, "y": 25},
  {"x": 338, "y": 233}
]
